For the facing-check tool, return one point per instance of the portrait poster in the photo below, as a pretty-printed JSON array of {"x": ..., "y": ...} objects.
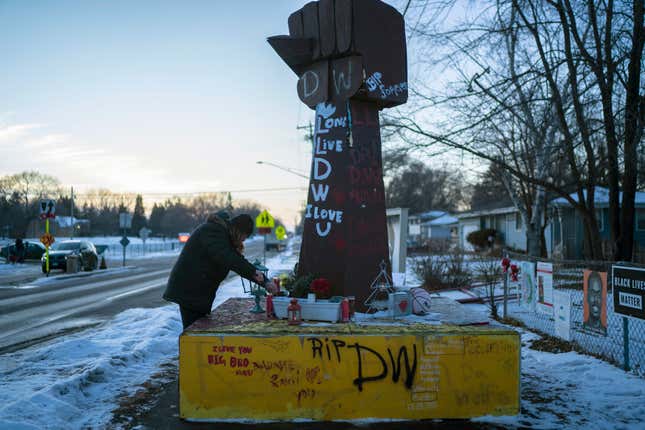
[
  {"x": 544, "y": 275},
  {"x": 562, "y": 314},
  {"x": 594, "y": 303},
  {"x": 527, "y": 285}
]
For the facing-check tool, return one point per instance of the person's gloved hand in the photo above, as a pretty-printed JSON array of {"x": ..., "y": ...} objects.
[
  {"x": 262, "y": 280},
  {"x": 259, "y": 278},
  {"x": 336, "y": 46}
]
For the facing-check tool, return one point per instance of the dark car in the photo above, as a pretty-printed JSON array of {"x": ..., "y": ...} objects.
[
  {"x": 33, "y": 250},
  {"x": 86, "y": 252}
]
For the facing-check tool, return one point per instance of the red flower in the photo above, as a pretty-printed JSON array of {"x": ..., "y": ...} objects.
[
  {"x": 506, "y": 262},
  {"x": 320, "y": 287}
]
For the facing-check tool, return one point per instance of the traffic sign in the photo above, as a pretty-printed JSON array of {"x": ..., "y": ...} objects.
[
  {"x": 144, "y": 232},
  {"x": 47, "y": 208},
  {"x": 124, "y": 241},
  {"x": 47, "y": 239},
  {"x": 125, "y": 220},
  {"x": 264, "y": 220},
  {"x": 280, "y": 233}
]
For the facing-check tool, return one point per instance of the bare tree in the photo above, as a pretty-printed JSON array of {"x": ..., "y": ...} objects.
[
  {"x": 30, "y": 185},
  {"x": 421, "y": 188},
  {"x": 537, "y": 94}
]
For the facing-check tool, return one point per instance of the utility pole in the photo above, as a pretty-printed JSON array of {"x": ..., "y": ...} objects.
[
  {"x": 309, "y": 135},
  {"x": 71, "y": 215}
]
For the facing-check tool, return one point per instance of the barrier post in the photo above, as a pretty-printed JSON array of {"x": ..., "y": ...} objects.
[{"x": 626, "y": 343}]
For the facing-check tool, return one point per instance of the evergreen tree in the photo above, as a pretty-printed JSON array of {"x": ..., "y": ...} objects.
[
  {"x": 229, "y": 202},
  {"x": 156, "y": 217},
  {"x": 139, "y": 217}
]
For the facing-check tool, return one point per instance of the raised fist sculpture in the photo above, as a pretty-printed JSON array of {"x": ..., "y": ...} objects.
[
  {"x": 351, "y": 60},
  {"x": 346, "y": 48}
]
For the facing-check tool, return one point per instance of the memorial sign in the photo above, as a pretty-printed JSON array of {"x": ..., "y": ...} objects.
[
  {"x": 629, "y": 290},
  {"x": 544, "y": 288},
  {"x": 527, "y": 285},
  {"x": 562, "y": 314},
  {"x": 594, "y": 307}
]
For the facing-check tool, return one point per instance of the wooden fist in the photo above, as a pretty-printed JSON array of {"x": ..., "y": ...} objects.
[{"x": 346, "y": 48}]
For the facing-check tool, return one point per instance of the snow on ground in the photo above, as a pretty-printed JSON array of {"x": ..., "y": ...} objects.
[
  {"x": 75, "y": 381},
  {"x": 15, "y": 269},
  {"x": 575, "y": 391}
]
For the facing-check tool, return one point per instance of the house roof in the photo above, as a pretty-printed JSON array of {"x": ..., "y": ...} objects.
[
  {"x": 601, "y": 198},
  {"x": 497, "y": 211},
  {"x": 447, "y": 219},
  {"x": 430, "y": 215}
]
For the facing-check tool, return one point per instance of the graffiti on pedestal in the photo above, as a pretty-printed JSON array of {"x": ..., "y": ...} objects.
[{"x": 419, "y": 375}]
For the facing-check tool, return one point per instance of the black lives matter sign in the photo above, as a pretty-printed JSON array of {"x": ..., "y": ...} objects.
[{"x": 629, "y": 290}]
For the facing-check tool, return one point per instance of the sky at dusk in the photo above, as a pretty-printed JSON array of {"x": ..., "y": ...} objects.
[
  {"x": 160, "y": 97},
  {"x": 156, "y": 97}
]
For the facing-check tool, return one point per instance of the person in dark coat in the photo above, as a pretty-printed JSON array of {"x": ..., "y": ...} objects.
[
  {"x": 213, "y": 249},
  {"x": 20, "y": 251}
]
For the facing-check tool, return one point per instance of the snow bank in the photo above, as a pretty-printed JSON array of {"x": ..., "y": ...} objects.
[
  {"x": 575, "y": 391},
  {"x": 74, "y": 381}
]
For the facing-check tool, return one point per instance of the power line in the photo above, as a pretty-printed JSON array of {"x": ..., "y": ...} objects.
[
  {"x": 286, "y": 169},
  {"x": 195, "y": 193}
]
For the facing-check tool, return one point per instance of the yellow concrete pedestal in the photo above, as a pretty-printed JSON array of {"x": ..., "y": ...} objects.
[{"x": 267, "y": 370}]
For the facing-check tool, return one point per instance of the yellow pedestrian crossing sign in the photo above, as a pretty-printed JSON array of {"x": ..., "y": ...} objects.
[
  {"x": 264, "y": 220},
  {"x": 280, "y": 233}
]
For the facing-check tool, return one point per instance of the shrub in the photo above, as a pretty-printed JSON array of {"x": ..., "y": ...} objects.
[
  {"x": 438, "y": 246},
  {"x": 458, "y": 275},
  {"x": 490, "y": 273},
  {"x": 445, "y": 271},
  {"x": 431, "y": 271},
  {"x": 479, "y": 238},
  {"x": 300, "y": 287}
]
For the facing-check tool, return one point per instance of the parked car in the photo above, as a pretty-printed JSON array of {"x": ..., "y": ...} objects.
[
  {"x": 33, "y": 250},
  {"x": 86, "y": 252},
  {"x": 272, "y": 242}
]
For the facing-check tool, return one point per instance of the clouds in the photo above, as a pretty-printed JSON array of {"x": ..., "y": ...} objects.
[
  {"x": 11, "y": 132},
  {"x": 33, "y": 146}
]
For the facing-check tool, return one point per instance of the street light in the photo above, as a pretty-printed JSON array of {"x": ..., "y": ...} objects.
[{"x": 286, "y": 169}]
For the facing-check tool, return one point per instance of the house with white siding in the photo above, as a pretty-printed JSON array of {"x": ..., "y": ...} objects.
[{"x": 506, "y": 221}]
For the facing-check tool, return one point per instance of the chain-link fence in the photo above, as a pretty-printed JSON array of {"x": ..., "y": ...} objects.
[{"x": 624, "y": 343}]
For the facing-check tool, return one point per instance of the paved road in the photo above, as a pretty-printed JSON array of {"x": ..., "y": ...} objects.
[{"x": 33, "y": 309}]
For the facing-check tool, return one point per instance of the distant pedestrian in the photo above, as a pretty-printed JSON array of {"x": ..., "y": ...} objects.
[
  {"x": 19, "y": 251},
  {"x": 491, "y": 240},
  {"x": 212, "y": 250}
]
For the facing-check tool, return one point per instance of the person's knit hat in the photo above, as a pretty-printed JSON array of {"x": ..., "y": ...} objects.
[{"x": 243, "y": 223}]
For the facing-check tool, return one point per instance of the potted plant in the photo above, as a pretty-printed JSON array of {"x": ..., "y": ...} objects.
[{"x": 320, "y": 310}]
